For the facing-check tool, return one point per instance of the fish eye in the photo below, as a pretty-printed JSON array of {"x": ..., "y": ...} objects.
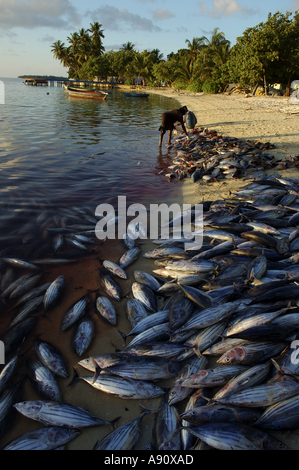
[{"x": 227, "y": 359}]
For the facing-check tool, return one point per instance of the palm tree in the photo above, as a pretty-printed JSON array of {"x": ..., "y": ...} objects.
[
  {"x": 196, "y": 46},
  {"x": 97, "y": 36},
  {"x": 217, "y": 51},
  {"x": 188, "y": 70},
  {"x": 127, "y": 47}
]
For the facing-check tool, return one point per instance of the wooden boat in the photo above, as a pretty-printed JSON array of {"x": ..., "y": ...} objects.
[
  {"x": 136, "y": 95},
  {"x": 86, "y": 93}
]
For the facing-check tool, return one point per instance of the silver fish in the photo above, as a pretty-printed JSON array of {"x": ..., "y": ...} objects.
[
  {"x": 144, "y": 278},
  {"x": 25, "y": 286},
  {"x": 129, "y": 257},
  {"x": 16, "y": 283},
  {"x": 37, "y": 291},
  {"x": 136, "y": 311},
  {"x": 194, "y": 267},
  {"x": 177, "y": 391},
  {"x": 124, "y": 388},
  {"x": 124, "y": 437},
  {"x": 52, "y": 413},
  {"x": 162, "y": 252},
  {"x": 75, "y": 312},
  {"x": 158, "y": 332},
  {"x": 214, "y": 377},
  {"x": 83, "y": 335},
  {"x": 205, "y": 337},
  {"x": 281, "y": 416},
  {"x": 253, "y": 376},
  {"x": 210, "y": 316},
  {"x": 168, "y": 423},
  {"x": 49, "y": 438},
  {"x": 7, "y": 399},
  {"x": 145, "y": 295},
  {"x": 18, "y": 263},
  {"x": 106, "y": 308},
  {"x": 145, "y": 368},
  {"x": 232, "y": 436},
  {"x": 51, "y": 357},
  {"x": 115, "y": 269},
  {"x": 149, "y": 321},
  {"x": 252, "y": 352},
  {"x": 43, "y": 380},
  {"x": 8, "y": 372},
  {"x": 255, "y": 320},
  {"x": 102, "y": 361},
  {"x": 54, "y": 293},
  {"x": 111, "y": 287},
  {"x": 264, "y": 395},
  {"x": 164, "y": 349},
  {"x": 26, "y": 310},
  {"x": 197, "y": 296}
]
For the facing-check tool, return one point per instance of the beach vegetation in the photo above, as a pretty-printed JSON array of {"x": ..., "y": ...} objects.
[
  {"x": 210, "y": 87},
  {"x": 267, "y": 53}
]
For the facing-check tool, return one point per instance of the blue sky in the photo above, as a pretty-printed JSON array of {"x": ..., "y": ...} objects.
[{"x": 28, "y": 28}]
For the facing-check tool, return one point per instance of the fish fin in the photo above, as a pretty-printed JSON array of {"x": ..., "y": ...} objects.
[
  {"x": 122, "y": 335},
  {"x": 145, "y": 410},
  {"x": 98, "y": 370},
  {"x": 75, "y": 377},
  {"x": 114, "y": 422}
]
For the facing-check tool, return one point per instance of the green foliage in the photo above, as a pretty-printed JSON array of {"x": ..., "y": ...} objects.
[
  {"x": 209, "y": 87},
  {"x": 269, "y": 51},
  {"x": 128, "y": 82},
  {"x": 195, "y": 86}
]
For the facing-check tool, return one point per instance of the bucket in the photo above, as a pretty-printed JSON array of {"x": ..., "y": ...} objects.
[{"x": 190, "y": 120}]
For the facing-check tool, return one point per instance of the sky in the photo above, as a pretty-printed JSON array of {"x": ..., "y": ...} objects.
[{"x": 28, "y": 28}]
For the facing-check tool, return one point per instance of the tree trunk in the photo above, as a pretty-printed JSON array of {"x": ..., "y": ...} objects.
[
  {"x": 265, "y": 85},
  {"x": 255, "y": 88}
]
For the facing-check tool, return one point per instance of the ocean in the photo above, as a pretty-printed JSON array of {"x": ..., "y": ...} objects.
[
  {"x": 60, "y": 158},
  {"x": 61, "y": 150}
]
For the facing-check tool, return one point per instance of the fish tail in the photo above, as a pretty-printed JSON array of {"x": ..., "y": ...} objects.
[{"x": 75, "y": 377}]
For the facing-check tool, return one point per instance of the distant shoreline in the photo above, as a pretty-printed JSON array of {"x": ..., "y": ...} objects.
[{"x": 46, "y": 77}]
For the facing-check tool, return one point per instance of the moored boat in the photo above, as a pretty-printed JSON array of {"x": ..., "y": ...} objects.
[
  {"x": 136, "y": 95},
  {"x": 86, "y": 93}
]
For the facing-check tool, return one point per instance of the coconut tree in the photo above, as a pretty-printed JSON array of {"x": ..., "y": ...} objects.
[
  {"x": 196, "y": 46},
  {"x": 97, "y": 36}
]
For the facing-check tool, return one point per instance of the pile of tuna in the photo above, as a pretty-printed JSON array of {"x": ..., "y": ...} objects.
[
  {"x": 210, "y": 157},
  {"x": 219, "y": 322}
]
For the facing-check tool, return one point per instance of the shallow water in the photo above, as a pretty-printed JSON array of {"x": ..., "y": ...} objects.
[
  {"x": 61, "y": 149},
  {"x": 59, "y": 158}
]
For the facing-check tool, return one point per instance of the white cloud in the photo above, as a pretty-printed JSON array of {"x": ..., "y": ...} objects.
[
  {"x": 37, "y": 13},
  {"x": 225, "y": 8},
  {"x": 162, "y": 14},
  {"x": 116, "y": 19}
]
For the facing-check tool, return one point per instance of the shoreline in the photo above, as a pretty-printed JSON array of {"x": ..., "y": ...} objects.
[{"x": 245, "y": 117}]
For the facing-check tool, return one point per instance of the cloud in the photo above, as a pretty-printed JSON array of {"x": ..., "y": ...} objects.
[
  {"x": 116, "y": 19},
  {"x": 161, "y": 14},
  {"x": 47, "y": 38},
  {"x": 225, "y": 8},
  {"x": 37, "y": 13}
]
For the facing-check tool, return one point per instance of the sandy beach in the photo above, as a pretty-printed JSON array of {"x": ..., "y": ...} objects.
[{"x": 258, "y": 118}]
